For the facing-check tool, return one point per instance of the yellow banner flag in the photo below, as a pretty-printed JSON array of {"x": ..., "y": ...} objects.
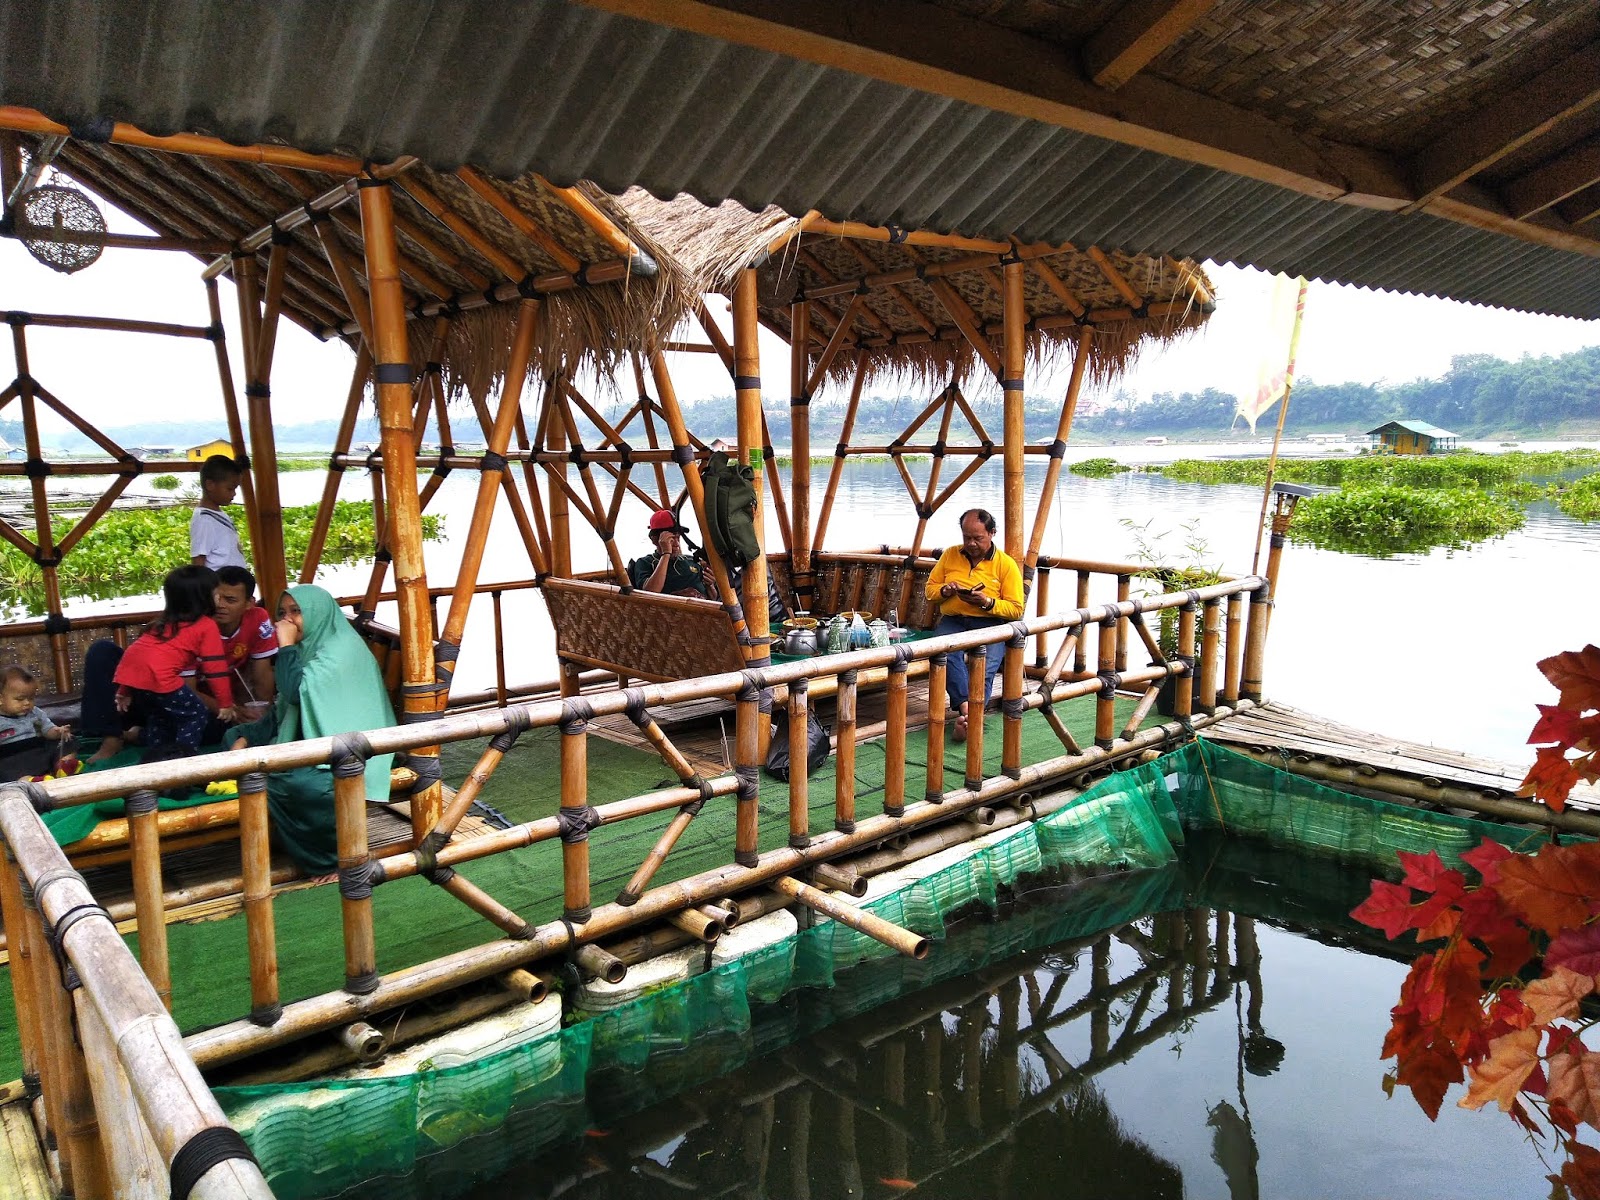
[{"x": 1276, "y": 374}]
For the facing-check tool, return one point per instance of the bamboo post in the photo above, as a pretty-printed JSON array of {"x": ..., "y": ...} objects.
[
  {"x": 20, "y": 952},
  {"x": 977, "y": 701},
  {"x": 1234, "y": 649},
  {"x": 894, "y": 778},
  {"x": 51, "y": 1063},
  {"x": 44, "y": 537},
  {"x": 1255, "y": 650},
  {"x": 800, "y": 449},
  {"x": 1124, "y": 591},
  {"x": 133, "y": 1160},
  {"x": 330, "y": 485},
  {"x": 1105, "y": 712},
  {"x": 1041, "y": 596},
  {"x": 748, "y": 719},
  {"x": 355, "y": 883},
  {"x": 268, "y": 554},
  {"x": 938, "y": 704},
  {"x": 1014, "y": 352},
  {"x": 1210, "y": 638},
  {"x": 1058, "y": 450},
  {"x": 420, "y": 690},
  {"x": 490, "y": 476},
  {"x": 747, "y": 398},
  {"x": 912, "y": 945},
  {"x": 255, "y": 853},
  {"x": 1012, "y": 706},
  {"x": 844, "y": 730},
  {"x": 799, "y": 784},
  {"x": 839, "y": 452},
  {"x": 1080, "y": 661},
  {"x": 230, "y": 408},
  {"x": 577, "y": 816},
  {"x": 145, "y": 842},
  {"x": 1183, "y": 685}
]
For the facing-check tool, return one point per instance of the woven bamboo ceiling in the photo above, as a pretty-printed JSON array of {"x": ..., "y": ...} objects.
[{"x": 1439, "y": 146}]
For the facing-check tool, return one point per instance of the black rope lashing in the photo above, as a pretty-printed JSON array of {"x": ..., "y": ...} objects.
[
  {"x": 902, "y": 659},
  {"x": 212, "y": 1146},
  {"x": 38, "y": 798},
  {"x": 57, "y": 933},
  {"x": 576, "y": 713},
  {"x": 1110, "y": 681},
  {"x": 444, "y": 652},
  {"x": 393, "y": 372},
  {"x": 355, "y": 882},
  {"x": 1013, "y": 709},
  {"x": 350, "y": 754},
  {"x": 1019, "y": 635},
  {"x": 492, "y": 461},
  {"x": 576, "y": 821},
  {"x": 141, "y": 803},
  {"x": 972, "y": 782},
  {"x": 683, "y": 455},
  {"x": 633, "y": 706},
  {"x": 841, "y": 449},
  {"x": 55, "y": 623},
  {"x": 1058, "y": 449},
  {"x": 848, "y": 678},
  {"x": 427, "y": 770},
  {"x": 258, "y": 390},
  {"x": 933, "y": 796}
]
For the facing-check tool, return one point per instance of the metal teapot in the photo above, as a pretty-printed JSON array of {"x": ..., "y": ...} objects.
[{"x": 800, "y": 642}]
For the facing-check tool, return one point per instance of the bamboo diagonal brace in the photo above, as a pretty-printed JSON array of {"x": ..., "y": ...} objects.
[{"x": 912, "y": 945}]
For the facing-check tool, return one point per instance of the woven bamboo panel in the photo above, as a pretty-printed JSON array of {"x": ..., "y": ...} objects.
[{"x": 641, "y": 634}]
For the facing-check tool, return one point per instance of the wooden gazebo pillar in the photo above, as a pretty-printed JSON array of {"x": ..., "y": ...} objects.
[
  {"x": 1014, "y": 438},
  {"x": 747, "y": 400},
  {"x": 258, "y": 334},
  {"x": 392, "y": 372},
  {"x": 800, "y": 453}
]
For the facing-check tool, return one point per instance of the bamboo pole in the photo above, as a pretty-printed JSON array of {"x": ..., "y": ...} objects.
[
  {"x": 230, "y": 408},
  {"x": 800, "y": 395},
  {"x": 1255, "y": 649},
  {"x": 579, "y": 816},
  {"x": 844, "y": 730},
  {"x": 44, "y": 550},
  {"x": 894, "y": 778},
  {"x": 747, "y": 398},
  {"x": 489, "y": 486},
  {"x": 748, "y": 722},
  {"x": 938, "y": 703},
  {"x": 1210, "y": 639},
  {"x": 553, "y": 435},
  {"x": 1011, "y": 707},
  {"x": 147, "y": 890},
  {"x": 1015, "y": 348},
  {"x": 1105, "y": 714},
  {"x": 420, "y": 690},
  {"x": 1124, "y": 590},
  {"x": 799, "y": 763},
  {"x": 20, "y": 951},
  {"x": 903, "y": 941},
  {"x": 255, "y": 852},
  {"x": 840, "y": 452},
  {"x": 1057, "y": 451},
  {"x": 341, "y": 444},
  {"x": 355, "y": 888},
  {"x": 1183, "y": 685},
  {"x": 698, "y": 925},
  {"x": 1234, "y": 649},
  {"x": 1041, "y": 597},
  {"x": 174, "y": 1099},
  {"x": 133, "y": 1161},
  {"x": 51, "y": 1063},
  {"x": 977, "y": 702}
]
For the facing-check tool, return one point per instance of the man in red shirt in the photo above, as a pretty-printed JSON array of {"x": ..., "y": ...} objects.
[{"x": 249, "y": 644}]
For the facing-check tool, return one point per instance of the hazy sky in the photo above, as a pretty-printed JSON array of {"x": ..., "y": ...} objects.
[{"x": 1349, "y": 334}]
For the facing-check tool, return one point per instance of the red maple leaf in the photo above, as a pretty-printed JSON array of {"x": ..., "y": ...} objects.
[
  {"x": 1576, "y": 949},
  {"x": 1577, "y": 674},
  {"x": 1429, "y": 1074},
  {"x": 1427, "y": 873},
  {"x": 1581, "y": 1173},
  {"x": 1551, "y": 777},
  {"x": 1554, "y": 889},
  {"x": 1388, "y": 908},
  {"x": 1556, "y": 724},
  {"x": 1486, "y": 858}
]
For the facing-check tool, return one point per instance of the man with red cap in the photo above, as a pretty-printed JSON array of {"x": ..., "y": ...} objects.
[{"x": 669, "y": 569}]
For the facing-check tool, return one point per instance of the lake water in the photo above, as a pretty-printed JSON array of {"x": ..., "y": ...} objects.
[
  {"x": 1438, "y": 648},
  {"x": 1224, "y": 1046}
]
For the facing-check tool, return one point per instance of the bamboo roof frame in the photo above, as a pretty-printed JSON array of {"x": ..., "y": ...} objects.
[{"x": 921, "y": 305}]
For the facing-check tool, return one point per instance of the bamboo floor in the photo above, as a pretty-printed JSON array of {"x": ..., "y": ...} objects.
[
  {"x": 1296, "y": 733},
  {"x": 22, "y": 1171}
]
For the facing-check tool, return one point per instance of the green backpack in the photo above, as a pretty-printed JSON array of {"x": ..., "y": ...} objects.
[{"x": 730, "y": 499}]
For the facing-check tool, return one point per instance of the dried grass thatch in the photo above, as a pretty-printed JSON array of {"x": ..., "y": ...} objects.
[{"x": 906, "y": 331}]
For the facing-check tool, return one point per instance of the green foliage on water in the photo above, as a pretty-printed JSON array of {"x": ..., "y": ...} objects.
[
  {"x": 1098, "y": 468},
  {"x": 166, "y": 483},
  {"x": 1385, "y": 520},
  {"x": 1465, "y": 468},
  {"x": 1580, "y": 499},
  {"x": 129, "y": 552}
]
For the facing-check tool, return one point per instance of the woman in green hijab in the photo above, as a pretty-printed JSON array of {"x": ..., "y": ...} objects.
[{"x": 328, "y": 683}]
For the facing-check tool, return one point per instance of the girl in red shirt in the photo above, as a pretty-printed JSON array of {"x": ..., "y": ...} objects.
[{"x": 150, "y": 686}]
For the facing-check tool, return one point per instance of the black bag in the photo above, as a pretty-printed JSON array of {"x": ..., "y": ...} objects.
[
  {"x": 817, "y": 745},
  {"x": 730, "y": 499}
]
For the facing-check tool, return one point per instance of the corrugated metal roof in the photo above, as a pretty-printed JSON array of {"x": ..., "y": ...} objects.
[
  {"x": 576, "y": 93},
  {"x": 1421, "y": 427}
]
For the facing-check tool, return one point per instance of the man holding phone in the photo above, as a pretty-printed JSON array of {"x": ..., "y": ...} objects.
[{"x": 976, "y": 585}]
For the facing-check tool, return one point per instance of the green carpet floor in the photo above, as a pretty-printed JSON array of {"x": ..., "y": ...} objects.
[{"x": 416, "y": 921}]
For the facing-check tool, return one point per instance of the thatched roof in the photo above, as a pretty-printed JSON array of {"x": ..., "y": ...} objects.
[
  {"x": 909, "y": 323},
  {"x": 456, "y": 243}
]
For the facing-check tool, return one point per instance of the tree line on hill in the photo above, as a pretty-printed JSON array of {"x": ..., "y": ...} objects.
[{"x": 1479, "y": 395}]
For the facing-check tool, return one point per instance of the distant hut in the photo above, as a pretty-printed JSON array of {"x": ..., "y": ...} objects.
[
  {"x": 206, "y": 449},
  {"x": 1412, "y": 437}
]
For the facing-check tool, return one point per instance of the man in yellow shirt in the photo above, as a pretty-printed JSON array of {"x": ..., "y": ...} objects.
[{"x": 976, "y": 585}]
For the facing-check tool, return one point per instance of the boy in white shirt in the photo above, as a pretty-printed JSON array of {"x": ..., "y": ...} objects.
[{"x": 213, "y": 540}]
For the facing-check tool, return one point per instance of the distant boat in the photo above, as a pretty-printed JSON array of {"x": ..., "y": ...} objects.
[{"x": 1155, "y": 441}]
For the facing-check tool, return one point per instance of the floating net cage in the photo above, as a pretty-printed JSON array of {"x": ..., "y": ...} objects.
[{"x": 1107, "y": 858}]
